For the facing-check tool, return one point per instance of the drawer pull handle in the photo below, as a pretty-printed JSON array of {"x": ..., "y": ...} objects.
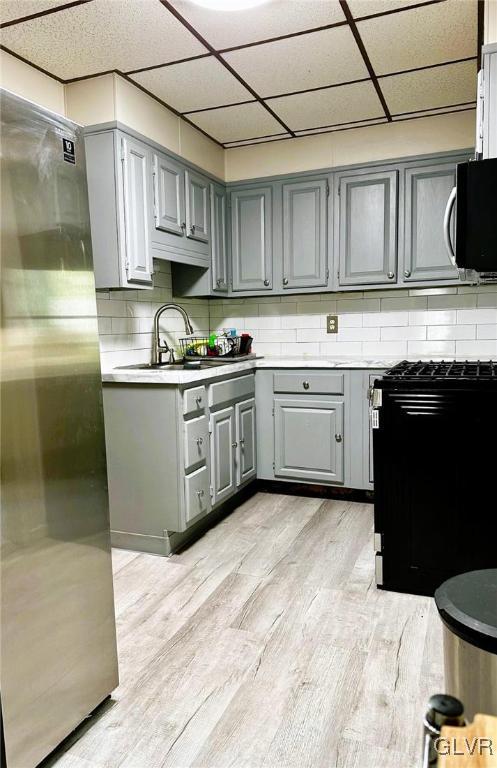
[
  {"x": 306, "y": 385},
  {"x": 338, "y": 438},
  {"x": 198, "y": 399},
  {"x": 200, "y": 493},
  {"x": 200, "y": 440}
]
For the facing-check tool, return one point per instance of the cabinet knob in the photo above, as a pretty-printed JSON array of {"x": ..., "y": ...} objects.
[
  {"x": 285, "y": 281},
  {"x": 407, "y": 273},
  {"x": 338, "y": 438},
  {"x": 198, "y": 399},
  {"x": 390, "y": 275},
  {"x": 200, "y": 493},
  {"x": 192, "y": 229},
  {"x": 200, "y": 440},
  {"x": 242, "y": 441},
  {"x": 266, "y": 282},
  {"x": 183, "y": 225},
  {"x": 306, "y": 385},
  {"x": 234, "y": 445},
  {"x": 219, "y": 282}
]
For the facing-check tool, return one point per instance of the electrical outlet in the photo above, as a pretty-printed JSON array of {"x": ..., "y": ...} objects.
[{"x": 332, "y": 323}]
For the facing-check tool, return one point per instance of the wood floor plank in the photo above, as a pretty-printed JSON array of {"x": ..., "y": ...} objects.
[{"x": 265, "y": 644}]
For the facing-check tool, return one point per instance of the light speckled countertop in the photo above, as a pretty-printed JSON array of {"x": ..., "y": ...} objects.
[{"x": 183, "y": 377}]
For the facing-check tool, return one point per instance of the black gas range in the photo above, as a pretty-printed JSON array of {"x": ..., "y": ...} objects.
[{"x": 435, "y": 467}]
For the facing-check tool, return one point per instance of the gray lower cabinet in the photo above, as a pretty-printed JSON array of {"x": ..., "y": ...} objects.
[
  {"x": 219, "y": 245},
  {"x": 305, "y": 233},
  {"x": 118, "y": 172},
  {"x": 222, "y": 428},
  {"x": 427, "y": 189},
  {"x": 366, "y": 228},
  {"x": 308, "y": 439},
  {"x": 246, "y": 465},
  {"x": 251, "y": 239}
]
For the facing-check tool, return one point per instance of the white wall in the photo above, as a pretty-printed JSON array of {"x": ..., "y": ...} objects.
[
  {"x": 28, "y": 82},
  {"x": 490, "y": 22},
  {"x": 438, "y": 133}
]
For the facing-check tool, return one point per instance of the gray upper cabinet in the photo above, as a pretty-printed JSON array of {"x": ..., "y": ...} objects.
[
  {"x": 197, "y": 207},
  {"x": 305, "y": 224},
  {"x": 366, "y": 236},
  {"x": 169, "y": 195},
  {"x": 136, "y": 169},
  {"x": 427, "y": 189},
  {"x": 308, "y": 439},
  {"x": 251, "y": 239},
  {"x": 219, "y": 251}
]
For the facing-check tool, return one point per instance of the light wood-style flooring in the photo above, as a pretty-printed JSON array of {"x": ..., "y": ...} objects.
[{"x": 266, "y": 643}]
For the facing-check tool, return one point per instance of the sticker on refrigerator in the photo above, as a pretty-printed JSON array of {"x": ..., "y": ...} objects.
[
  {"x": 69, "y": 151},
  {"x": 375, "y": 418}
]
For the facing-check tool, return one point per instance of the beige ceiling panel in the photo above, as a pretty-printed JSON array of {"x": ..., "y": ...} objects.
[
  {"x": 193, "y": 84},
  {"x": 430, "y": 88},
  {"x": 102, "y": 35},
  {"x": 330, "y": 129},
  {"x": 17, "y": 9},
  {"x": 430, "y": 112},
  {"x": 419, "y": 37},
  {"x": 308, "y": 61},
  {"x": 224, "y": 29},
  {"x": 343, "y": 104},
  {"x": 367, "y": 7},
  {"x": 236, "y": 123}
]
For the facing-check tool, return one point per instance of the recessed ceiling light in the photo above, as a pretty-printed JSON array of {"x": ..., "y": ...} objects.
[{"x": 228, "y": 5}]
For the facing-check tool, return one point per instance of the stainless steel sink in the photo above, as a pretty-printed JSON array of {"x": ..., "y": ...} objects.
[{"x": 172, "y": 366}]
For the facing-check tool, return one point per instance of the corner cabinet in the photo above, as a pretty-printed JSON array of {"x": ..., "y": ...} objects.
[
  {"x": 305, "y": 234},
  {"x": 366, "y": 212},
  {"x": 252, "y": 239},
  {"x": 118, "y": 172},
  {"x": 426, "y": 191}
]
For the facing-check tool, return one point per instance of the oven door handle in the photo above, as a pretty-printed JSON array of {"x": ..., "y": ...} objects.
[{"x": 447, "y": 221}]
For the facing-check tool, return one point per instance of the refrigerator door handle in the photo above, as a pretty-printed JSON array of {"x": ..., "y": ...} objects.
[{"x": 447, "y": 222}]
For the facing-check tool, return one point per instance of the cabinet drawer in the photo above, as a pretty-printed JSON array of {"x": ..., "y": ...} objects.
[
  {"x": 197, "y": 499},
  {"x": 194, "y": 401},
  {"x": 312, "y": 382},
  {"x": 196, "y": 441},
  {"x": 233, "y": 389}
]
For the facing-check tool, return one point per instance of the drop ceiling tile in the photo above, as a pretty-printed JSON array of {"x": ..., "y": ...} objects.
[
  {"x": 102, "y": 35},
  {"x": 309, "y": 61},
  {"x": 262, "y": 140},
  {"x": 367, "y": 7},
  {"x": 429, "y": 112},
  {"x": 430, "y": 88},
  {"x": 237, "y": 123},
  {"x": 332, "y": 106},
  {"x": 345, "y": 126},
  {"x": 193, "y": 84},
  {"x": 224, "y": 29},
  {"x": 419, "y": 37},
  {"x": 17, "y": 9}
]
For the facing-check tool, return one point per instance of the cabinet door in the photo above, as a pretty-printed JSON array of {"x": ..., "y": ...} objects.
[
  {"x": 305, "y": 258},
  {"x": 427, "y": 190},
  {"x": 137, "y": 205},
  {"x": 245, "y": 438},
  {"x": 223, "y": 454},
  {"x": 251, "y": 239},
  {"x": 219, "y": 254},
  {"x": 169, "y": 195},
  {"x": 367, "y": 228},
  {"x": 308, "y": 439},
  {"x": 197, "y": 207}
]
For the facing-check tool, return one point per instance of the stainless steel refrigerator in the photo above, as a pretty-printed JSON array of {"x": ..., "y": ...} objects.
[{"x": 58, "y": 643}]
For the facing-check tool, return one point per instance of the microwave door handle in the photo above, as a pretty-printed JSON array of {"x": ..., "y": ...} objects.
[{"x": 447, "y": 220}]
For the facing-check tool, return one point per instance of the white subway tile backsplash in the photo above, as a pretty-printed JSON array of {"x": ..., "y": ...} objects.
[
  {"x": 417, "y": 322},
  {"x": 435, "y": 348},
  {"x": 452, "y": 332}
]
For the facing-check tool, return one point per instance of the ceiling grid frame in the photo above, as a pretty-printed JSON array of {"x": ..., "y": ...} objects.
[{"x": 216, "y": 53}]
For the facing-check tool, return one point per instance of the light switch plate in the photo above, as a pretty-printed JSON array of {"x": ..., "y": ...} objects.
[{"x": 331, "y": 323}]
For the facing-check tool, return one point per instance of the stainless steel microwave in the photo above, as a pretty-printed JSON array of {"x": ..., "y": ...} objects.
[{"x": 474, "y": 199}]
